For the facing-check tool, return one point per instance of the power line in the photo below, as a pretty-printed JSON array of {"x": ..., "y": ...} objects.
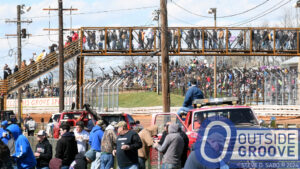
[
  {"x": 225, "y": 16},
  {"x": 95, "y": 12},
  {"x": 268, "y": 11}
]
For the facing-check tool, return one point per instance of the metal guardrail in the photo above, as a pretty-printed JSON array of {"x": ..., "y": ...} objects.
[{"x": 36, "y": 69}]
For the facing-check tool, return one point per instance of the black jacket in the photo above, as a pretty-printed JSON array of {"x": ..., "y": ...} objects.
[
  {"x": 66, "y": 148},
  {"x": 128, "y": 157},
  {"x": 45, "y": 150},
  {"x": 79, "y": 162}
]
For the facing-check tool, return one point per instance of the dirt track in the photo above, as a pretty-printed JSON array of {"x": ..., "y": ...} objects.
[{"x": 145, "y": 119}]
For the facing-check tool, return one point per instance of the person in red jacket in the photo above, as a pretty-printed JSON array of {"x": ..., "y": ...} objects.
[{"x": 74, "y": 36}]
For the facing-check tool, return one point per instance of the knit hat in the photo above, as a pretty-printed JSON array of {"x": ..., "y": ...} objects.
[{"x": 91, "y": 154}]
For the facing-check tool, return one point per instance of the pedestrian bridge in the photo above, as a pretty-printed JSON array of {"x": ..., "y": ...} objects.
[{"x": 182, "y": 41}]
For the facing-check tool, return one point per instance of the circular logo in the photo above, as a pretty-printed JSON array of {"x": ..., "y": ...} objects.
[{"x": 215, "y": 142}]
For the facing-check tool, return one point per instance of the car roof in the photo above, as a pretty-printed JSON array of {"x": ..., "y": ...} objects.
[
  {"x": 205, "y": 108},
  {"x": 111, "y": 113}
]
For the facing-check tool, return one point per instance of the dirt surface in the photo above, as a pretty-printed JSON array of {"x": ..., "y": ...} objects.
[{"x": 145, "y": 119}]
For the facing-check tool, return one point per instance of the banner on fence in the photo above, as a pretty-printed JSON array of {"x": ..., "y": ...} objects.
[{"x": 38, "y": 105}]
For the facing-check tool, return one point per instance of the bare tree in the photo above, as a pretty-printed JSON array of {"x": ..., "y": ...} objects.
[{"x": 70, "y": 68}]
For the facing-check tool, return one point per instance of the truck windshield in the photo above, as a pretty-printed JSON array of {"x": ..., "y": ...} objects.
[{"x": 237, "y": 116}]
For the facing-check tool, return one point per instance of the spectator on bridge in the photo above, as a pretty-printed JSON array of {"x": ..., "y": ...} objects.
[
  {"x": 52, "y": 48},
  {"x": 128, "y": 143},
  {"x": 16, "y": 68},
  {"x": 7, "y": 71},
  {"x": 172, "y": 148},
  {"x": 66, "y": 147},
  {"x": 81, "y": 136},
  {"x": 108, "y": 144},
  {"x": 23, "y": 64},
  {"x": 193, "y": 93},
  {"x": 43, "y": 151},
  {"x": 146, "y": 136},
  {"x": 23, "y": 153},
  {"x": 95, "y": 142},
  {"x": 74, "y": 36}
]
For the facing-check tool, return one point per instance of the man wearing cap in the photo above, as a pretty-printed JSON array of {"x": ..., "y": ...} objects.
[
  {"x": 95, "y": 142},
  {"x": 43, "y": 151},
  {"x": 81, "y": 136},
  {"x": 128, "y": 143}
]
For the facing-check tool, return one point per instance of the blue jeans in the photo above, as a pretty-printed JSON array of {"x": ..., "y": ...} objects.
[
  {"x": 185, "y": 109},
  {"x": 64, "y": 167},
  {"x": 96, "y": 163},
  {"x": 42, "y": 167},
  {"x": 142, "y": 163},
  {"x": 106, "y": 161},
  {"x": 134, "y": 166},
  {"x": 170, "y": 166}
]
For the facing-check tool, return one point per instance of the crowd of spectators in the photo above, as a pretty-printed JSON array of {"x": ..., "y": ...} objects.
[
  {"x": 143, "y": 39},
  {"x": 236, "y": 81}
]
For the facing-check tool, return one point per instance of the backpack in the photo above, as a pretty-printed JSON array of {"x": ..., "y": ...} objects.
[{"x": 31, "y": 125}]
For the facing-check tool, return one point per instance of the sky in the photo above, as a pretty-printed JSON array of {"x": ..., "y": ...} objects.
[{"x": 99, "y": 13}]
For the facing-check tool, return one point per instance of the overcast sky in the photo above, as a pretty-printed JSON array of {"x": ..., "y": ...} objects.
[{"x": 98, "y": 13}]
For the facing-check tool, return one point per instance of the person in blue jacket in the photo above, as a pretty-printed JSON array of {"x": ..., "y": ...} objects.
[
  {"x": 4, "y": 135},
  {"x": 95, "y": 142},
  {"x": 193, "y": 93},
  {"x": 23, "y": 153}
]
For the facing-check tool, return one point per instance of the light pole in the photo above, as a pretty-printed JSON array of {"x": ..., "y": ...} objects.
[
  {"x": 214, "y": 11},
  {"x": 297, "y": 5}
]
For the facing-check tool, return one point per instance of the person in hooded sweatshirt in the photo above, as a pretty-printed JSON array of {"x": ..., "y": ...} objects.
[
  {"x": 95, "y": 142},
  {"x": 66, "y": 147},
  {"x": 172, "y": 148},
  {"x": 23, "y": 153},
  {"x": 4, "y": 135},
  {"x": 146, "y": 136}
]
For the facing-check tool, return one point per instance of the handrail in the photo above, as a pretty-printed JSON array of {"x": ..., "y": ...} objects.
[
  {"x": 3, "y": 86},
  {"x": 37, "y": 68}
]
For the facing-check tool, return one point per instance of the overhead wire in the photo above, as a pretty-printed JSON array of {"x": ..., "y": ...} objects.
[
  {"x": 266, "y": 12},
  {"x": 94, "y": 12},
  {"x": 225, "y": 16}
]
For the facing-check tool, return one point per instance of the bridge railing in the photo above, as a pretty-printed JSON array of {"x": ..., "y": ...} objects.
[
  {"x": 3, "y": 87},
  {"x": 36, "y": 68},
  {"x": 191, "y": 41}
]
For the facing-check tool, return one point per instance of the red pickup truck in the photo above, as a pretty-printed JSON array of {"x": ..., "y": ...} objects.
[{"x": 90, "y": 118}]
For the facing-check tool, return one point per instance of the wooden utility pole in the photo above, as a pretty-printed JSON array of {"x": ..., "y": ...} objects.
[
  {"x": 61, "y": 57},
  {"x": 19, "y": 21},
  {"x": 164, "y": 56},
  {"x": 60, "y": 50}
]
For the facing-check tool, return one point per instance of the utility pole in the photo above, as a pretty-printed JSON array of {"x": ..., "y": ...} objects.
[
  {"x": 60, "y": 50},
  {"x": 61, "y": 57},
  {"x": 164, "y": 56},
  {"x": 19, "y": 36},
  {"x": 214, "y": 11},
  {"x": 19, "y": 60},
  {"x": 156, "y": 18}
]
